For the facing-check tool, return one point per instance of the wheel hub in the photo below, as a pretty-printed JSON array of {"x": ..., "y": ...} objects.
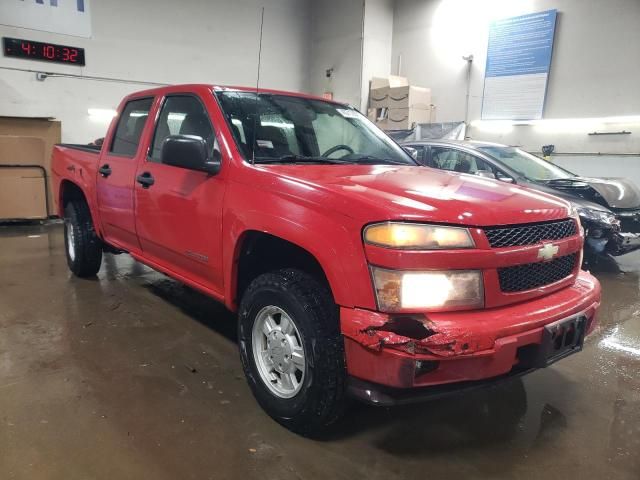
[{"x": 278, "y": 351}]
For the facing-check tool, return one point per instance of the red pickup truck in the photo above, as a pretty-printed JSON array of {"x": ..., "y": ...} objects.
[{"x": 353, "y": 270}]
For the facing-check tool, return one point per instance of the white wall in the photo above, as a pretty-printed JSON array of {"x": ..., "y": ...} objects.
[
  {"x": 206, "y": 41},
  {"x": 336, "y": 36},
  {"x": 376, "y": 46},
  {"x": 595, "y": 70}
]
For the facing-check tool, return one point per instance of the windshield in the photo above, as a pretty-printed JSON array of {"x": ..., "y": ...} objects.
[
  {"x": 292, "y": 129},
  {"x": 527, "y": 165}
]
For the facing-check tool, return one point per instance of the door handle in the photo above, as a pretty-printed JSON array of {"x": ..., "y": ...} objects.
[
  {"x": 105, "y": 170},
  {"x": 145, "y": 179}
]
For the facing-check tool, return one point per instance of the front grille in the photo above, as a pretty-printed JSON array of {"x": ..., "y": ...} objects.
[
  {"x": 533, "y": 275},
  {"x": 530, "y": 234}
]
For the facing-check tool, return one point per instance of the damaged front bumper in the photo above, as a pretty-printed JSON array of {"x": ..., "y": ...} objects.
[
  {"x": 409, "y": 352},
  {"x": 612, "y": 237},
  {"x": 623, "y": 242}
]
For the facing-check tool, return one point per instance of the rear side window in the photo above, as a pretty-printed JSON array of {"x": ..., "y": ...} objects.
[
  {"x": 182, "y": 115},
  {"x": 130, "y": 126}
]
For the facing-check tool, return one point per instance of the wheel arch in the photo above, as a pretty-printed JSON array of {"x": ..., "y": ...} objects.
[
  {"x": 258, "y": 252},
  {"x": 331, "y": 247},
  {"x": 70, "y": 191}
]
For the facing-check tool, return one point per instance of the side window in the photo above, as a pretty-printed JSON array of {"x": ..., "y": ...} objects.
[
  {"x": 181, "y": 115},
  {"x": 455, "y": 160},
  {"x": 483, "y": 166},
  {"x": 421, "y": 157},
  {"x": 127, "y": 137}
]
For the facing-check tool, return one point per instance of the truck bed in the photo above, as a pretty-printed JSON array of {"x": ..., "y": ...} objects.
[{"x": 81, "y": 146}]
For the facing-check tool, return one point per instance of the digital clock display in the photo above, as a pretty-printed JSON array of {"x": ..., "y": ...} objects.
[{"x": 49, "y": 52}]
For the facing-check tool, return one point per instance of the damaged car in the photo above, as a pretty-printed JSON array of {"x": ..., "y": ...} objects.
[
  {"x": 609, "y": 208},
  {"x": 353, "y": 270}
]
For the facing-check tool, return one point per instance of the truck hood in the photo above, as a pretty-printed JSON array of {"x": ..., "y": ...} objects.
[
  {"x": 614, "y": 193},
  {"x": 374, "y": 193}
]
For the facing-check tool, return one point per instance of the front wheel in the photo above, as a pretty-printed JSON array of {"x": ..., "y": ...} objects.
[
  {"x": 292, "y": 351},
  {"x": 82, "y": 245}
]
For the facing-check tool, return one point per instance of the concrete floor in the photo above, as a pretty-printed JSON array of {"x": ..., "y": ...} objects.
[{"x": 133, "y": 376}]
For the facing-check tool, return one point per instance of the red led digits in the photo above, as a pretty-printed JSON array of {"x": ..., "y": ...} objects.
[{"x": 50, "y": 52}]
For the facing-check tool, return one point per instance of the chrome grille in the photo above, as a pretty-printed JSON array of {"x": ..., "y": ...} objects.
[
  {"x": 533, "y": 275},
  {"x": 530, "y": 234}
]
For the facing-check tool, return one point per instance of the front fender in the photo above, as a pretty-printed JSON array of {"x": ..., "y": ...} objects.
[{"x": 334, "y": 241}]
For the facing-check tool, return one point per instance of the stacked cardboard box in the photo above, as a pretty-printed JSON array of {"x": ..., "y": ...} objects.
[
  {"x": 396, "y": 105},
  {"x": 25, "y": 175}
]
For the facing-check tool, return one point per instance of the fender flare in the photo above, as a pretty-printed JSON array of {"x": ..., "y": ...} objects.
[{"x": 325, "y": 253}]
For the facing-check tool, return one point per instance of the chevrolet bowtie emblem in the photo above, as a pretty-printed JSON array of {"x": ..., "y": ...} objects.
[{"x": 547, "y": 252}]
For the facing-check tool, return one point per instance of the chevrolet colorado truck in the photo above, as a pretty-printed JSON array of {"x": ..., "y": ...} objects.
[{"x": 354, "y": 271}]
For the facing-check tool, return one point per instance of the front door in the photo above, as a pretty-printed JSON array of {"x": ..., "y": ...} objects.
[
  {"x": 116, "y": 173},
  {"x": 179, "y": 215}
]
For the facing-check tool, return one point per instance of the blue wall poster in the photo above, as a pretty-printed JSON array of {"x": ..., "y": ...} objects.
[{"x": 517, "y": 70}]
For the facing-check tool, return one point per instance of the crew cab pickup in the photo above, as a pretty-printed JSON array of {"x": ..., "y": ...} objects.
[{"x": 353, "y": 270}]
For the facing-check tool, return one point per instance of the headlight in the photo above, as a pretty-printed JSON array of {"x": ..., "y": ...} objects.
[
  {"x": 417, "y": 237},
  {"x": 593, "y": 215},
  {"x": 429, "y": 290}
]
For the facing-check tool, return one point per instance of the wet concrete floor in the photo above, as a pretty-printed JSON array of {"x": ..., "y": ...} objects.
[{"x": 133, "y": 376}]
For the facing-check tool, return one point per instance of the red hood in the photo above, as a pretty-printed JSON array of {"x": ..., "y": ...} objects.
[{"x": 374, "y": 193}]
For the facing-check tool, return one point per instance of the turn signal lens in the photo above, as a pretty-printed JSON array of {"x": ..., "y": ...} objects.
[
  {"x": 431, "y": 290},
  {"x": 417, "y": 237}
]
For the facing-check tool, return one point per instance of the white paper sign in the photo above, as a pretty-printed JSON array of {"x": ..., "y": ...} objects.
[
  {"x": 68, "y": 17},
  {"x": 518, "y": 64}
]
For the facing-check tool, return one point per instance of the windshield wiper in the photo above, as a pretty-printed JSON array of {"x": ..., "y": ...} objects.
[
  {"x": 563, "y": 180},
  {"x": 300, "y": 159},
  {"x": 371, "y": 160}
]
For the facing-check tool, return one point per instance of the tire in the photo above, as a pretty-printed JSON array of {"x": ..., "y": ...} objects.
[
  {"x": 82, "y": 246},
  {"x": 319, "y": 399}
]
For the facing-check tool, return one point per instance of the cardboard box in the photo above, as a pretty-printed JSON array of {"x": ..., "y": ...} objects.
[
  {"x": 22, "y": 194},
  {"x": 376, "y": 114},
  {"x": 15, "y": 150},
  {"x": 25, "y": 150},
  {"x": 404, "y": 118},
  {"x": 409, "y": 96},
  {"x": 380, "y": 88}
]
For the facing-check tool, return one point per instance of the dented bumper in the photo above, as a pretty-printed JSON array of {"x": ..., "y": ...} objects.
[{"x": 412, "y": 351}]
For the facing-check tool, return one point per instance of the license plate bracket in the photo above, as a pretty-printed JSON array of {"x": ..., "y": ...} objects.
[{"x": 559, "y": 340}]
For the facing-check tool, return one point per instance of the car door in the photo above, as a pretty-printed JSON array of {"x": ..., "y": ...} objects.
[
  {"x": 178, "y": 210},
  {"x": 116, "y": 172}
]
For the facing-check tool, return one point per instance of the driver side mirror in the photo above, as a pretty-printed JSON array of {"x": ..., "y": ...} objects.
[
  {"x": 190, "y": 151},
  {"x": 504, "y": 178},
  {"x": 485, "y": 174},
  {"x": 411, "y": 151}
]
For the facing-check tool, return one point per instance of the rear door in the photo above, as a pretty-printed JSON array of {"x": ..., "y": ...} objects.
[
  {"x": 179, "y": 216},
  {"x": 116, "y": 173}
]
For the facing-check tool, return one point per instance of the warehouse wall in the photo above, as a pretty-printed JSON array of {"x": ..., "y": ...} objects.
[
  {"x": 594, "y": 72},
  {"x": 336, "y": 42},
  {"x": 160, "y": 41},
  {"x": 376, "y": 44}
]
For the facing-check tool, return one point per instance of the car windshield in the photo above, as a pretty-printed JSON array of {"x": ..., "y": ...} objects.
[
  {"x": 527, "y": 165},
  {"x": 290, "y": 129}
]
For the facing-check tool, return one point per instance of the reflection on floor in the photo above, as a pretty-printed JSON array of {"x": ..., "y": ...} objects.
[{"x": 132, "y": 375}]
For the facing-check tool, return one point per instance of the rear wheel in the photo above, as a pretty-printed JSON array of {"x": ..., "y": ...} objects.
[
  {"x": 292, "y": 351},
  {"x": 83, "y": 247}
]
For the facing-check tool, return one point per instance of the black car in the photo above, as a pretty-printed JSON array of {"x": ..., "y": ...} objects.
[{"x": 609, "y": 208}]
